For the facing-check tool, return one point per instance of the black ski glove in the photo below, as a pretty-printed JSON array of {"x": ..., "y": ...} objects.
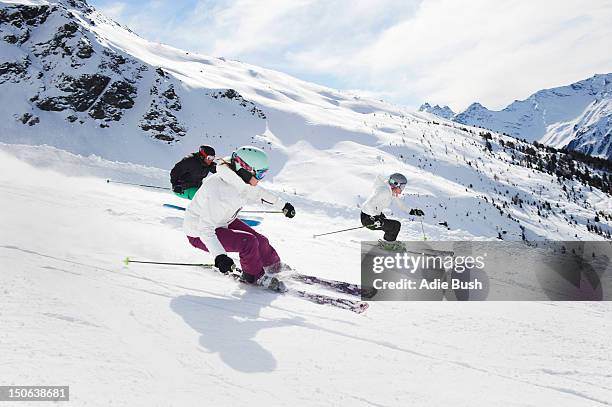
[
  {"x": 417, "y": 212},
  {"x": 224, "y": 263},
  {"x": 179, "y": 189},
  {"x": 289, "y": 210},
  {"x": 374, "y": 223}
]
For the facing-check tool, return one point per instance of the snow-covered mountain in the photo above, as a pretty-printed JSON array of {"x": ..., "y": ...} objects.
[
  {"x": 73, "y": 79},
  {"x": 590, "y": 133},
  {"x": 110, "y": 104},
  {"x": 576, "y": 116},
  {"x": 445, "y": 112}
]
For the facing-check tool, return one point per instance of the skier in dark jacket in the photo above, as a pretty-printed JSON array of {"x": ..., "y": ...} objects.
[{"x": 187, "y": 175}]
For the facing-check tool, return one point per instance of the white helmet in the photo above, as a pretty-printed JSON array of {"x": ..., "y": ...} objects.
[{"x": 398, "y": 180}]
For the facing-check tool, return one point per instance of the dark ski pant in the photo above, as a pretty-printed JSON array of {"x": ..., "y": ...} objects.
[
  {"x": 253, "y": 248},
  {"x": 391, "y": 227}
]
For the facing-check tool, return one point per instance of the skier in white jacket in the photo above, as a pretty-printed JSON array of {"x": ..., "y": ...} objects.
[
  {"x": 211, "y": 222},
  {"x": 385, "y": 192}
]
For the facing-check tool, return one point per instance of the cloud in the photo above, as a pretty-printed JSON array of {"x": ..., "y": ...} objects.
[
  {"x": 456, "y": 52},
  {"x": 249, "y": 26},
  {"x": 444, "y": 51},
  {"x": 113, "y": 10}
]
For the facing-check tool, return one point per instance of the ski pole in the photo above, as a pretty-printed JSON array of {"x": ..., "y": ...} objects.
[
  {"x": 127, "y": 261},
  {"x": 338, "y": 231},
  {"x": 182, "y": 208},
  {"x": 137, "y": 185},
  {"x": 423, "y": 229},
  {"x": 262, "y": 211}
]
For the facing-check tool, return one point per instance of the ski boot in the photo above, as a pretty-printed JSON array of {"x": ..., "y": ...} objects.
[
  {"x": 391, "y": 246},
  {"x": 266, "y": 281},
  {"x": 272, "y": 283}
]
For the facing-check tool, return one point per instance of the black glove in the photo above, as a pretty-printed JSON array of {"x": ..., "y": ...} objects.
[
  {"x": 179, "y": 189},
  {"x": 417, "y": 212},
  {"x": 224, "y": 263},
  {"x": 289, "y": 210},
  {"x": 374, "y": 223}
]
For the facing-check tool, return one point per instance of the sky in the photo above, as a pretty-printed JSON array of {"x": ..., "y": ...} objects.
[{"x": 447, "y": 52}]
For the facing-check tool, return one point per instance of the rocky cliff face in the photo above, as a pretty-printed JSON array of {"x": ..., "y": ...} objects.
[
  {"x": 592, "y": 133},
  {"x": 50, "y": 52}
]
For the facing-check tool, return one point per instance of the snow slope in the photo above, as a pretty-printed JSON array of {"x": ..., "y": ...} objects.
[
  {"x": 590, "y": 133},
  {"x": 72, "y": 314}
]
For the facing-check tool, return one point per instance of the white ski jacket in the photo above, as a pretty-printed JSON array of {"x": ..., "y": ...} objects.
[
  {"x": 217, "y": 203},
  {"x": 381, "y": 199}
]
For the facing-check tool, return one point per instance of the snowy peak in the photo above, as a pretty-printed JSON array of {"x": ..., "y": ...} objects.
[
  {"x": 445, "y": 112},
  {"x": 557, "y": 116},
  {"x": 475, "y": 110},
  {"x": 593, "y": 131}
]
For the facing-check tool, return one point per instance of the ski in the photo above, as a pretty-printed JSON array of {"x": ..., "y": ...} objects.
[
  {"x": 357, "y": 307},
  {"x": 334, "y": 285},
  {"x": 339, "y": 286},
  {"x": 278, "y": 286}
]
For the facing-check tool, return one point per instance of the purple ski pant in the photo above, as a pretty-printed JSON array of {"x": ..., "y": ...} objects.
[{"x": 254, "y": 248}]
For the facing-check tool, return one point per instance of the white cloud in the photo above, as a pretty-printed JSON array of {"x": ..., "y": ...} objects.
[
  {"x": 457, "y": 52},
  {"x": 114, "y": 10},
  {"x": 248, "y": 26},
  {"x": 444, "y": 51}
]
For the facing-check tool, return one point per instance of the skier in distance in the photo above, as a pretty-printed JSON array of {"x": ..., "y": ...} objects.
[
  {"x": 386, "y": 191},
  {"x": 187, "y": 175}
]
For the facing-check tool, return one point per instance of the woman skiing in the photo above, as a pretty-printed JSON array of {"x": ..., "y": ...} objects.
[
  {"x": 211, "y": 222},
  {"x": 187, "y": 175},
  {"x": 372, "y": 216}
]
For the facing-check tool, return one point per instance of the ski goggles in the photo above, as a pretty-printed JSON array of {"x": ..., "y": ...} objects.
[
  {"x": 397, "y": 184},
  {"x": 207, "y": 157},
  {"x": 259, "y": 174}
]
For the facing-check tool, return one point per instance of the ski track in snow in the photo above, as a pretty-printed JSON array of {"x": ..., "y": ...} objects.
[{"x": 158, "y": 335}]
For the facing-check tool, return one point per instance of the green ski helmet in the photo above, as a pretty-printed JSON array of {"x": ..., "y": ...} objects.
[
  {"x": 248, "y": 160},
  {"x": 397, "y": 180}
]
